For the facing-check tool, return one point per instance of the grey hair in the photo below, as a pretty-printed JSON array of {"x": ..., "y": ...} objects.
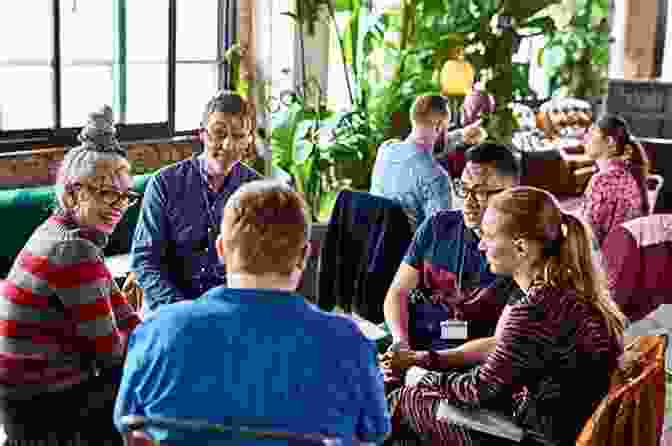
[
  {"x": 99, "y": 145},
  {"x": 265, "y": 186},
  {"x": 226, "y": 101}
]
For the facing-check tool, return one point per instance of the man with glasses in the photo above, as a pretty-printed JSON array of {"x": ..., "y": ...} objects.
[
  {"x": 443, "y": 293},
  {"x": 173, "y": 252}
]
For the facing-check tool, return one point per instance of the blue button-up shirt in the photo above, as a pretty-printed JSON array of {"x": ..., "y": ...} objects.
[
  {"x": 254, "y": 357},
  {"x": 173, "y": 254}
]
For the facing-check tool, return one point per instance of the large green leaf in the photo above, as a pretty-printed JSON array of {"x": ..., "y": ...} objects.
[
  {"x": 283, "y": 130},
  {"x": 345, "y": 5},
  {"x": 434, "y": 7},
  {"x": 302, "y": 145}
]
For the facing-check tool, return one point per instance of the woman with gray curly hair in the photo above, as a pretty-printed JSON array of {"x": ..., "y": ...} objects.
[{"x": 65, "y": 322}]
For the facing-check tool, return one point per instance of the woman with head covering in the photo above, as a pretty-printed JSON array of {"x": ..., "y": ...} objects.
[
  {"x": 65, "y": 322},
  {"x": 617, "y": 192},
  {"x": 555, "y": 344}
]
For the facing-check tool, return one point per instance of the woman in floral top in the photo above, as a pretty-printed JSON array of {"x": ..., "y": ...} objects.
[
  {"x": 554, "y": 347},
  {"x": 617, "y": 192}
]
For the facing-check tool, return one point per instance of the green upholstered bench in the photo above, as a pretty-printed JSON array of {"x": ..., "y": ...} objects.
[{"x": 23, "y": 210}]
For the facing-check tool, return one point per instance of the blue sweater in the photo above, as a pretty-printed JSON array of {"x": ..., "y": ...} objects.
[{"x": 255, "y": 357}]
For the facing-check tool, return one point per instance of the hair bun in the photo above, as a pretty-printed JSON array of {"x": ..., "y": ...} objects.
[{"x": 99, "y": 133}]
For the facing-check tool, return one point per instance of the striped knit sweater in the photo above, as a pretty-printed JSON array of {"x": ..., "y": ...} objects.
[
  {"x": 550, "y": 368},
  {"x": 60, "y": 310}
]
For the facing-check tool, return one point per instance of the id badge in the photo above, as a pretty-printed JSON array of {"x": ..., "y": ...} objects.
[{"x": 454, "y": 329}]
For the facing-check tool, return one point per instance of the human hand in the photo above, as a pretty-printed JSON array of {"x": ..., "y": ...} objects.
[
  {"x": 398, "y": 360},
  {"x": 472, "y": 134}
]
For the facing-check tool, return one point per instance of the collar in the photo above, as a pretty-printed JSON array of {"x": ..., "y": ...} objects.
[
  {"x": 98, "y": 238},
  {"x": 469, "y": 234},
  {"x": 610, "y": 163},
  {"x": 257, "y": 296},
  {"x": 203, "y": 169},
  {"x": 421, "y": 144}
]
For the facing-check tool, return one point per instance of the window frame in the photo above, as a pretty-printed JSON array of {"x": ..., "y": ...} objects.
[{"x": 29, "y": 139}]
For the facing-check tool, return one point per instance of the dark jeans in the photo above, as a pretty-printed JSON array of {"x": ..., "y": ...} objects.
[{"x": 81, "y": 414}]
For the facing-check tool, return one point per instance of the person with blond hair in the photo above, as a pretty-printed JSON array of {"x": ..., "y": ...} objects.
[
  {"x": 408, "y": 172},
  {"x": 65, "y": 322},
  {"x": 173, "y": 254},
  {"x": 255, "y": 352},
  {"x": 555, "y": 345}
]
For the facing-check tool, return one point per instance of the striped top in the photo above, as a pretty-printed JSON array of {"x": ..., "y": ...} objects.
[
  {"x": 60, "y": 310},
  {"x": 553, "y": 360}
]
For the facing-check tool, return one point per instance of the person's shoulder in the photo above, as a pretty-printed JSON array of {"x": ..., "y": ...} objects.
[
  {"x": 168, "y": 174},
  {"x": 391, "y": 144},
  {"x": 602, "y": 178},
  {"x": 248, "y": 173},
  {"x": 396, "y": 149},
  {"x": 177, "y": 168},
  {"x": 169, "y": 319},
  {"x": 63, "y": 245},
  {"x": 555, "y": 298},
  {"x": 340, "y": 327},
  {"x": 446, "y": 218}
]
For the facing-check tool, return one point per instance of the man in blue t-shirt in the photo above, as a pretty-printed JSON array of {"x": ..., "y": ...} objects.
[
  {"x": 407, "y": 171},
  {"x": 256, "y": 353},
  {"x": 444, "y": 263}
]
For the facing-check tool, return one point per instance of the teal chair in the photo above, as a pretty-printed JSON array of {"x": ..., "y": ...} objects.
[{"x": 25, "y": 209}]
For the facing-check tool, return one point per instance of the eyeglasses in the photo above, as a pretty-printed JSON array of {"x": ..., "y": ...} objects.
[
  {"x": 480, "y": 194},
  {"x": 236, "y": 138},
  {"x": 113, "y": 197}
]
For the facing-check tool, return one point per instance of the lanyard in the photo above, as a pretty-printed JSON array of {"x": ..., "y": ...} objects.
[{"x": 213, "y": 226}]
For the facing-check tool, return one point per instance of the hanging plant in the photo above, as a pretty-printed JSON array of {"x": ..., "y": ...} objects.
[{"x": 581, "y": 42}]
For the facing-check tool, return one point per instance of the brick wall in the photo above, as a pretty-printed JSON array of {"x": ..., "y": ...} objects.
[{"x": 40, "y": 167}]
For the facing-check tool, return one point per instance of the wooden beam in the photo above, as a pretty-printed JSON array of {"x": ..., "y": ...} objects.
[{"x": 640, "y": 38}]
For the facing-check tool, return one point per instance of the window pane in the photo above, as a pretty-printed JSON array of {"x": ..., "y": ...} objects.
[
  {"x": 195, "y": 85},
  {"x": 282, "y": 74},
  {"x": 337, "y": 85},
  {"x": 86, "y": 30},
  {"x": 196, "y": 30},
  {"x": 147, "y": 93},
  {"x": 25, "y": 30},
  {"x": 147, "y": 30},
  {"x": 147, "y": 70},
  {"x": 84, "y": 89},
  {"x": 24, "y": 107}
]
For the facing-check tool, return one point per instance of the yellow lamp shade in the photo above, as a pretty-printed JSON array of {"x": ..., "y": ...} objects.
[{"x": 457, "y": 78}]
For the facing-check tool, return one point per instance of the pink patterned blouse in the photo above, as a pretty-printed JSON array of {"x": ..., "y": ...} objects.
[{"x": 611, "y": 198}]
